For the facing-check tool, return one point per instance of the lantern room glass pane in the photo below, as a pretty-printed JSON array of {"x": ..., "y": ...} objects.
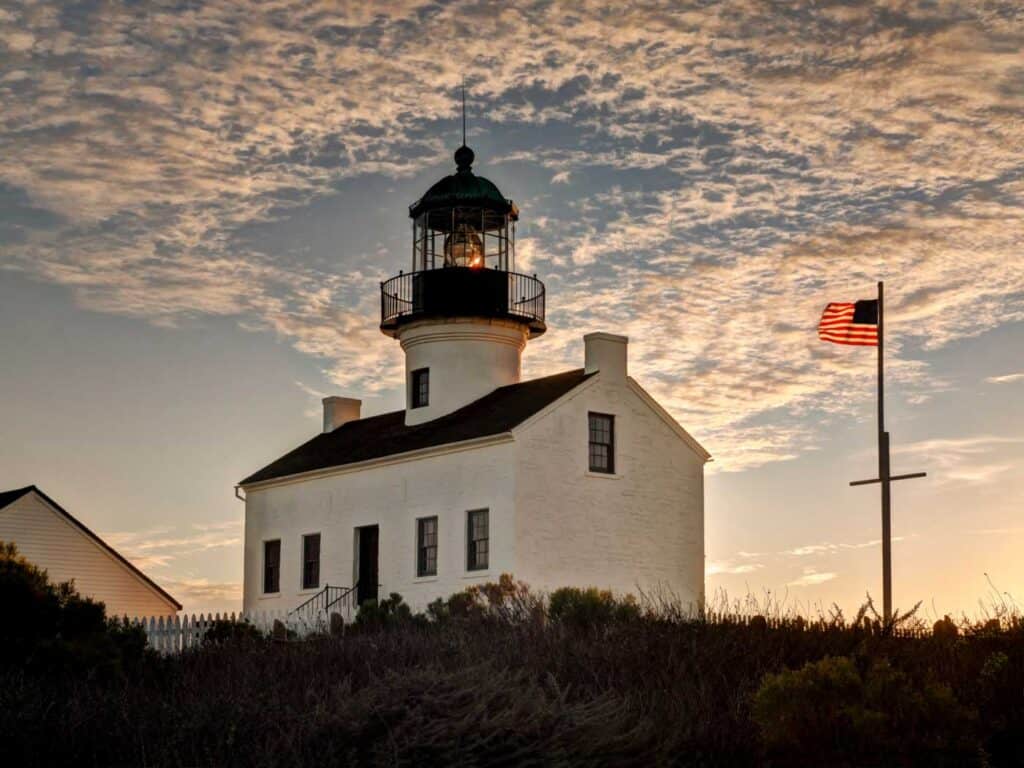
[{"x": 461, "y": 237}]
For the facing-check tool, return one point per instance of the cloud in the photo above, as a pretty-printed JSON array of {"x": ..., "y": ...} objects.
[
  {"x": 811, "y": 577},
  {"x": 830, "y": 548},
  {"x": 717, "y": 567},
  {"x": 203, "y": 592},
  {"x": 721, "y": 175},
  {"x": 160, "y": 547},
  {"x": 974, "y": 460},
  {"x": 750, "y": 562},
  {"x": 1008, "y": 378},
  {"x": 311, "y": 391}
]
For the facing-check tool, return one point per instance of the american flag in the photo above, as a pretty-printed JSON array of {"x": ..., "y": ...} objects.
[{"x": 853, "y": 323}]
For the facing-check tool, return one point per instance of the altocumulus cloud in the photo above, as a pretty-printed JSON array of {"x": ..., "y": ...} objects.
[{"x": 765, "y": 158}]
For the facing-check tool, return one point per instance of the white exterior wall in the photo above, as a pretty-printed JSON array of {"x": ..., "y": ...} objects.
[
  {"x": 392, "y": 496},
  {"x": 641, "y": 527},
  {"x": 49, "y": 540},
  {"x": 467, "y": 357},
  {"x": 552, "y": 522}
]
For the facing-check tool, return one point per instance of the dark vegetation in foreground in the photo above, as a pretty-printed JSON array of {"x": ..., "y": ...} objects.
[{"x": 501, "y": 676}]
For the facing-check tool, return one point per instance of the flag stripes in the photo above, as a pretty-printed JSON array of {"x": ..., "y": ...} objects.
[{"x": 837, "y": 326}]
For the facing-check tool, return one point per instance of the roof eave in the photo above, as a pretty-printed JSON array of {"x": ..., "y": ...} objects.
[
  {"x": 379, "y": 461},
  {"x": 667, "y": 417}
]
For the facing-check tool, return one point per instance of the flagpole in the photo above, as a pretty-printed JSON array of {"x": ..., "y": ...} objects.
[
  {"x": 885, "y": 477},
  {"x": 884, "y": 468}
]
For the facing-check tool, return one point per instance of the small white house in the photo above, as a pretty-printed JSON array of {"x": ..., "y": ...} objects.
[
  {"x": 577, "y": 479},
  {"x": 50, "y": 538}
]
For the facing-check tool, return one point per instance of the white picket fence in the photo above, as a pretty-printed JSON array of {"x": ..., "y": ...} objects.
[{"x": 174, "y": 634}]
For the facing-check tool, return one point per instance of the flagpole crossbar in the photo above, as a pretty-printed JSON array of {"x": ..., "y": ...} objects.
[{"x": 910, "y": 476}]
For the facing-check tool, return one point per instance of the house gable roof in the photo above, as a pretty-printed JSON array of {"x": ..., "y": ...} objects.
[
  {"x": 666, "y": 417},
  {"x": 9, "y": 497},
  {"x": 387, "y": 435}
]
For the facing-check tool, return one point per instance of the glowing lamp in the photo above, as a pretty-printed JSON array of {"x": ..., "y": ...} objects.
[{"x": 464, "y": 248}]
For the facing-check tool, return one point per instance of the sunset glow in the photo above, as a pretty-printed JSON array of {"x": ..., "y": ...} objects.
[{"x": 198, "y": 205}]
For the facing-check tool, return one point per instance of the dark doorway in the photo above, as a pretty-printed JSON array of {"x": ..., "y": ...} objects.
[{"x": 367, "y": 539}]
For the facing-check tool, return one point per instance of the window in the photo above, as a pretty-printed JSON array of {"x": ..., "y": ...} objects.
[
  {"x": 426, "y": 546},
  {"x": 421, "y": 388},
  {"x": 477, "y": 540},
  {"x": 271, "y": 566},
  {"x": 311, "y": 561},
  {"x": 602, "y": 443}
]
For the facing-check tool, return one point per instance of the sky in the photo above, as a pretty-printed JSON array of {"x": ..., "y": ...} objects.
[{"x": 198, "y": 201}]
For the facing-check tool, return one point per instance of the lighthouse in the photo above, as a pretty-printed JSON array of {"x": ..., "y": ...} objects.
[
  {"x": 462, "y": 313},
  {"x": 579, "y": 478}
]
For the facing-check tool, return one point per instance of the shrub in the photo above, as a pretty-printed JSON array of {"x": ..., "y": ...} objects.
[
  {"x": 945, "y": 628},
  {"x": 828, "y": 712},
  {"x": 226, "y": 631},
  {"x": 505, "y": 601},
  {"x": 52, "y": 629},
  {"x": 390, "y": 612},
  {"x": 590, "y": 607},
  {"x": 489, "y": 683}
]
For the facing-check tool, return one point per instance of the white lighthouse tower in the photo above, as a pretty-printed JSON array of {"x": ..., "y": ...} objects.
[{"x": 463, "y": 314}]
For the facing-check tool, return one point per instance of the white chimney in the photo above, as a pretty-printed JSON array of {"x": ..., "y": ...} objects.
[
  {"x": 340, "y": 410},
  {"x": 606, "y": 352}
]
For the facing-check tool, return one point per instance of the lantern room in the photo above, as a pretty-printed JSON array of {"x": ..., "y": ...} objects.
[
  {"x": 463, "y": 258},
  {"x": 463, "y": 221}
]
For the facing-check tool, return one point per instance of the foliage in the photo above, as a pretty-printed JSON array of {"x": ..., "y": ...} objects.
[
  {"x": 390, "y": 612},
  {"x": 830, "y": 712},
  {"x": 590, "y": 607},
  {"x": 945, "y": 628},
  {"x": 505, "y": 600},
  {"x": 227, "y": 632},
  {"x": 51, "y": 629},
  {"x": 500, "y": 675}
]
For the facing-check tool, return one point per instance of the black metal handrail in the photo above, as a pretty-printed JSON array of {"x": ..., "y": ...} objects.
[
  {"x": 456, "y": 291},
  {"x": 324, "y": 600},
  {"x": 341, "y": 598}
]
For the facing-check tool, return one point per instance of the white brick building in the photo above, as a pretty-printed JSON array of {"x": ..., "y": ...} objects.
[{"x": 576, "y": 479}]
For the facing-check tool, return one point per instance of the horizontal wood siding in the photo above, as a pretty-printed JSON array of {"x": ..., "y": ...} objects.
[{"x": 50, "y": 541}]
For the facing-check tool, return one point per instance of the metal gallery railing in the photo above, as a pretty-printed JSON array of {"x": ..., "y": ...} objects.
[{"x": 462, "y": 291}]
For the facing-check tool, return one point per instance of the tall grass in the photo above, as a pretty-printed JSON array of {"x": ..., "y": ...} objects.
[{"x": 502, "y": 676}]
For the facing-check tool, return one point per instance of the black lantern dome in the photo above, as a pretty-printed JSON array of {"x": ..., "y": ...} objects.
[{"x": 463, "y": 257}]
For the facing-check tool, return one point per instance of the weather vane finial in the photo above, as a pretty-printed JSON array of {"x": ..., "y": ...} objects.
[{"x": 463, "y": 110}]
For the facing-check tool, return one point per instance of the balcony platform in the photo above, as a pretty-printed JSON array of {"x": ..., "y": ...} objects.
[{"x": 462, "y": 292}]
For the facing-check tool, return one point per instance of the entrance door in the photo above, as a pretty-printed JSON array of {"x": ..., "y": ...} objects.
[{"x": 367, "y": 541}]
